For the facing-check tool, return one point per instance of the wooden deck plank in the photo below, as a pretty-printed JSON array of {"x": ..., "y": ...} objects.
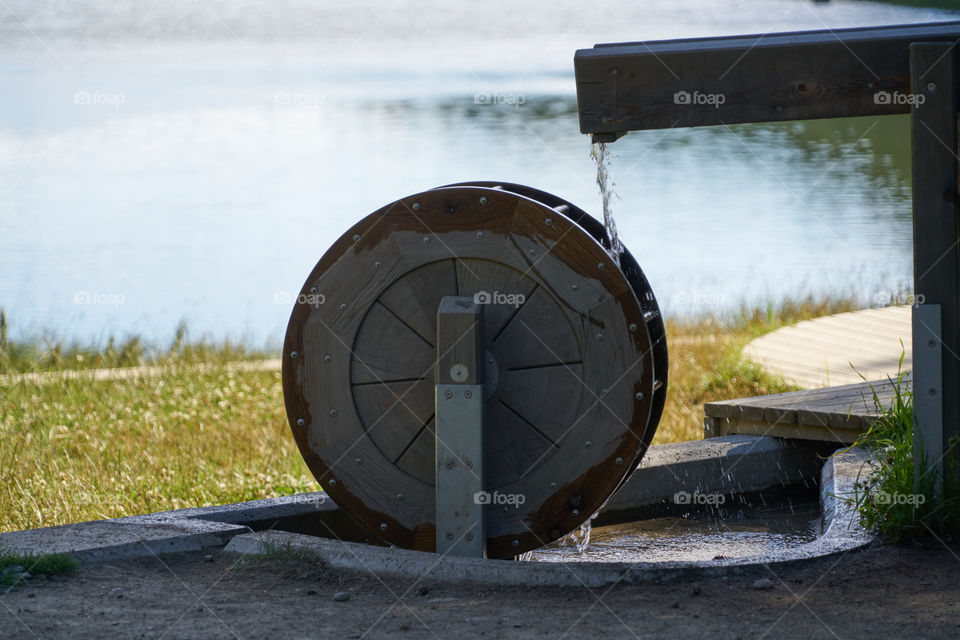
[
  {"x": 840, "y": 349},
  {"x": 793, "y": 398},
  {"x": 802, "y": 350},
  {"x": 835, "y": 414},
  {"x": 870, "y": 336}
]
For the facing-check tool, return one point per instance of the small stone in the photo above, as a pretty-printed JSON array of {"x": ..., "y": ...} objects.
[
  {"x": 675, "y": 604},
  {"x": 116, "y": 592},
  {"x": 763, "y": 583},
  {"x": 208, "y": 558},
  {"x": 341, "y": 596},
  {"x": 424, "y": 590},
  {"x": 311, "y": 592},
  {"x": 695, "y": 589}
]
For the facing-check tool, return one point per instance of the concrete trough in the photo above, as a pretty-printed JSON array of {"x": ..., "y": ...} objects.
[
  {"x": 732, "y": 465},
  {"x": 735, "y": 465}
]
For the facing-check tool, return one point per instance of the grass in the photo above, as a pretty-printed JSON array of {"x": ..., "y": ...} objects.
[
  {"x": 51, "y": 353},
  {"x": 47, "y": 565},
  {"x": 299, "y": 563},
  {"x": 74, "y": 449},
  {"x": 888, "y": 499}
]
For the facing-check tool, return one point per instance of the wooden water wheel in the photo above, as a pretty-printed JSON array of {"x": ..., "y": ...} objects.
[{"x": 575, "y": 362}]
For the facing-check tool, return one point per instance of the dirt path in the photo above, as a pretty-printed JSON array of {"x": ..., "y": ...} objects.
[{"x": 881, "y": 592}]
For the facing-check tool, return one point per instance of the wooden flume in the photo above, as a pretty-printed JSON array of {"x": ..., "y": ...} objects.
[{"x": 830, "y": 73}]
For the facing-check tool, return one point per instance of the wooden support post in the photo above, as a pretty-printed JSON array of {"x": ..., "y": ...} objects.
[
  {"x": 458, "y": 394},
  {"x": 936, "y": 258}
]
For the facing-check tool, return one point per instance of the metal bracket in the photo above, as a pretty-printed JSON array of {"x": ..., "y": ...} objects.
[
  {"x": 460, "y": 497},
  {"x": 461, "y": 522}
]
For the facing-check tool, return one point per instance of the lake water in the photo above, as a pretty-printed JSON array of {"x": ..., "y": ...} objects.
[{"x": 193, "y": 160}]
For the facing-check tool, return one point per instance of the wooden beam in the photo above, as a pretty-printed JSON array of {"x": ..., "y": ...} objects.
[
  {"x": 936, "y": 232},
  {"x": 757, "y": 78}
]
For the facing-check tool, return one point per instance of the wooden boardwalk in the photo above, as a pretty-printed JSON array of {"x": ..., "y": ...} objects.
[
  {"x": 834, "y": 414},
  {"x": 839, "y": 350},
  {"x": 835, "y": 350}
]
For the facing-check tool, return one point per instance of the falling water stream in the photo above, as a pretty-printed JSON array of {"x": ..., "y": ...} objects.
[
  {"x": 579, "y": 538},
  {"x": 601, "y": 157}
]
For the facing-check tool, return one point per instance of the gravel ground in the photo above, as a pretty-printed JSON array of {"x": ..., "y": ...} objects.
[{"x": 883, "y": 591}]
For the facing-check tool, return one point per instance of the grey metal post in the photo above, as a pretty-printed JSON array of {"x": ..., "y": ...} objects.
[
  {"x": 460, "y": 517},
  {"x": 936, "y": 259}
]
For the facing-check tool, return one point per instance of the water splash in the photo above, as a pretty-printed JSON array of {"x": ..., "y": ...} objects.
[
  {"x": 579, "y": 538},
  {"x": 601, "y": 157}
]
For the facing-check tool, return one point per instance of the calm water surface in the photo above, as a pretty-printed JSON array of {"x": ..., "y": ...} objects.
[{"x": 192, "y": 160}]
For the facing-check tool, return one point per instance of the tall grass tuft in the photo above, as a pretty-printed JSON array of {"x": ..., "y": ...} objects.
[
  {"x": 16, "y": 568},
  {"x": 887, "y": 496}
]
